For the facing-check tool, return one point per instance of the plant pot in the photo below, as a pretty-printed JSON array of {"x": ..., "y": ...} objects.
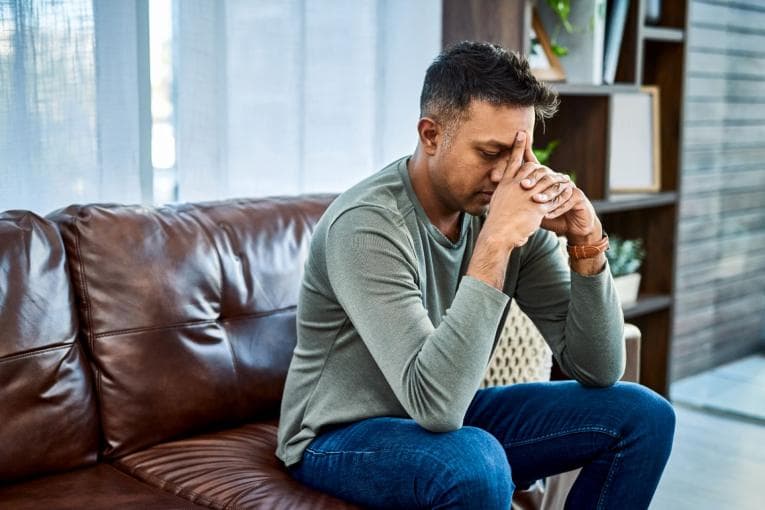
[{"x": 627, "y": 288}]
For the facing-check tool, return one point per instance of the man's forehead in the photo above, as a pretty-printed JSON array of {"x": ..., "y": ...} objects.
[{"x": 497, "y": 124}]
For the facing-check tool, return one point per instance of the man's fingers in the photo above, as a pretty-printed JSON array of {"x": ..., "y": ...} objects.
[
  {"x": 529, "y": 153},
  {"x": 563, "y": 207},
  {"x": 516, "y": 155},
  {"x": 557, "y": 193},
  {"x": 540, "y": 172},
  {"x": 524, "y": 172},
  {"x": 541, "y": 184}
]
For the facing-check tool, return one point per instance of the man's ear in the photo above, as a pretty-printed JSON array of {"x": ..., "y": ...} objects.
[{"x": 431, "y": 134}]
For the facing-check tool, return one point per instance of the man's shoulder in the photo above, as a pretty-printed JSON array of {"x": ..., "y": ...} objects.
[{"x": 377, "y": 200}]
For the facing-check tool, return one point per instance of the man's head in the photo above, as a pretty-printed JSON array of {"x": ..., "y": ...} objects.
[
  {"x": 474, "y": 71},
  {"x": 475, "y": 98}
]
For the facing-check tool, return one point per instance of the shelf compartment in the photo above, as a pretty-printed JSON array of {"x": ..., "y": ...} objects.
[
  {"x": 655, "y": 226},
  {"x": 646, "y": 304},
  {"x": 580, "y": 120}
]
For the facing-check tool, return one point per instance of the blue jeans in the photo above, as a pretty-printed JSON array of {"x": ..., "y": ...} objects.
[{"x": 620, "y": 436}]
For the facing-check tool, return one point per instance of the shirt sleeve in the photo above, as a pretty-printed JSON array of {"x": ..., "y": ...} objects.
[
  {"x": 433, "y": 371},
  {"x": 579, "y": 316}
]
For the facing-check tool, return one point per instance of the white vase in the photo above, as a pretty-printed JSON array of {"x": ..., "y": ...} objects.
[{"x": 627, "y": 288}]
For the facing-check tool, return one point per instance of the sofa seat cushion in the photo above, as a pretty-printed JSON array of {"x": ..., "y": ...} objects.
[
  {"x": 232, "y": 469},
  {"x": 98, "y": 487}
]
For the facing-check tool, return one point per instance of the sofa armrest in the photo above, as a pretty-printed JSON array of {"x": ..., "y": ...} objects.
[
  {"x": 632, "y": 338},
  {"x": 632, "y": 342}
]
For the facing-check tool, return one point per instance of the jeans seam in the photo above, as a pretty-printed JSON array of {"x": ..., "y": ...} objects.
[
  {"x": 604, "y": 430},
  {"x": 610, "y": 477}
]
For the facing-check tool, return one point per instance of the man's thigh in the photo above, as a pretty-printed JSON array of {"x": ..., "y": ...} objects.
[
  {"x": 391, "y": 462},
  {"x": 552, "y": 427}
]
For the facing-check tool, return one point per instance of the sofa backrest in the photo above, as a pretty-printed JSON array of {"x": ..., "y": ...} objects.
[
  {"x": 48, "y": 418},
  {"x": 188, "y": 311}
]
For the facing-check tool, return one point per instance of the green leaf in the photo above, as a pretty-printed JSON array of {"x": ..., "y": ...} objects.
[{"x": 560, "y": 51}]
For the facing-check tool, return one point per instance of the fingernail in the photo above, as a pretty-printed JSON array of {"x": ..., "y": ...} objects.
[
  {"x": 521, "y": 136},
  {"x": 527, "y": 182},
  {"x": 542, "y": 196}
]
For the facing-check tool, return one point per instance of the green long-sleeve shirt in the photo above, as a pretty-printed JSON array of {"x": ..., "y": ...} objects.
[{"x": 388, "y": 325}]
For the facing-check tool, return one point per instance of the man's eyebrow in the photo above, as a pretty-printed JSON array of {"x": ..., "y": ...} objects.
[{"x": 495, "y": 143}]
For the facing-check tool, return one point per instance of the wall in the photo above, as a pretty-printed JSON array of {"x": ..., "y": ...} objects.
[{"x": 720, "y": 276}]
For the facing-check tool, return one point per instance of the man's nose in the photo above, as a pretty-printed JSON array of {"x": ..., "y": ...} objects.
[{"x": 497, "y": 172}]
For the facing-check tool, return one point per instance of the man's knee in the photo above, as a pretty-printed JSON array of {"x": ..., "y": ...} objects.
[
  {"x": 476, "y": 471},
  {"x": 651, "y": 415}
]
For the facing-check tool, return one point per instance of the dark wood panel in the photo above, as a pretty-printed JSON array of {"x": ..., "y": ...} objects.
[
  {"x": 672, "y": 14},
  {"x": 654, "y": 350},
  {"x": 662, "y": 65},
  {"x": 629, "y": 63},
  {"x": 497, "y": 21}
]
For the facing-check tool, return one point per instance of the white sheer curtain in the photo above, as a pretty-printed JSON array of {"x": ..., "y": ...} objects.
[
  {"x": 294, "y": 96},
  {"x": 69, "y": 103}
]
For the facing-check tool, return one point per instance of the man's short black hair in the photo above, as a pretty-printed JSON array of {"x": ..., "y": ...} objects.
[{"x": 480, "y": 71}]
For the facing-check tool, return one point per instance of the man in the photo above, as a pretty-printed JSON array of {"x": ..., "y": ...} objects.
[{"x": 405, "y": 286}]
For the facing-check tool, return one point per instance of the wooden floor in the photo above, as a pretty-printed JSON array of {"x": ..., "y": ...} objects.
[{"x": 717, "y": 462}]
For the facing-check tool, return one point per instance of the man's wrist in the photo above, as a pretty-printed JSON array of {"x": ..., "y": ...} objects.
[{"x": 593, "y": 237}]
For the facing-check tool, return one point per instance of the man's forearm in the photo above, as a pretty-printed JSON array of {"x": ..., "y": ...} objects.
[
  {"x": 589, "y": 267},
  {"x": 489, "y": 261}
]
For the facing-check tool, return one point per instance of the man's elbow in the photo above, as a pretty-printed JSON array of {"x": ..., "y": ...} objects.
[
  {"x": 439, "y": 422},
  {"x": 604, "y": 378}
]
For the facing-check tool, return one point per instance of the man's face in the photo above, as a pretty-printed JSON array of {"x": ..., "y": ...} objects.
[{"x": 467, "y": 168}]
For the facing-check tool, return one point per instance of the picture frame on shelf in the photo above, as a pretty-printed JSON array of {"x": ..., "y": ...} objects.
[
  {"x": 634, "y": 152},
  {"x": 543, "y": 61}
]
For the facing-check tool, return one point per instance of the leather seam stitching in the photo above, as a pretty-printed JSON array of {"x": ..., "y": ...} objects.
[
  {"x": 194, "y": 323},
  {"x": 88, "y": 313},
  {"x": 35, "y": 352}
]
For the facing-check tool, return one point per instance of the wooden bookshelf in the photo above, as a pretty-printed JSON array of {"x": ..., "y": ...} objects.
[{"x": 649, "y": 55}]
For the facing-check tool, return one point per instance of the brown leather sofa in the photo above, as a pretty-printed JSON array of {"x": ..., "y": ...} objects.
[{"x": 143, "y": 353}]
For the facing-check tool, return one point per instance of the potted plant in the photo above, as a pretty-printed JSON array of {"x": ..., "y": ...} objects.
[{"x": 625, "y": 256}]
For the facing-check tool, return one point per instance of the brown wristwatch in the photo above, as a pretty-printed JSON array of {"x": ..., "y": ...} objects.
[{"x": 587, "y": 251}]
